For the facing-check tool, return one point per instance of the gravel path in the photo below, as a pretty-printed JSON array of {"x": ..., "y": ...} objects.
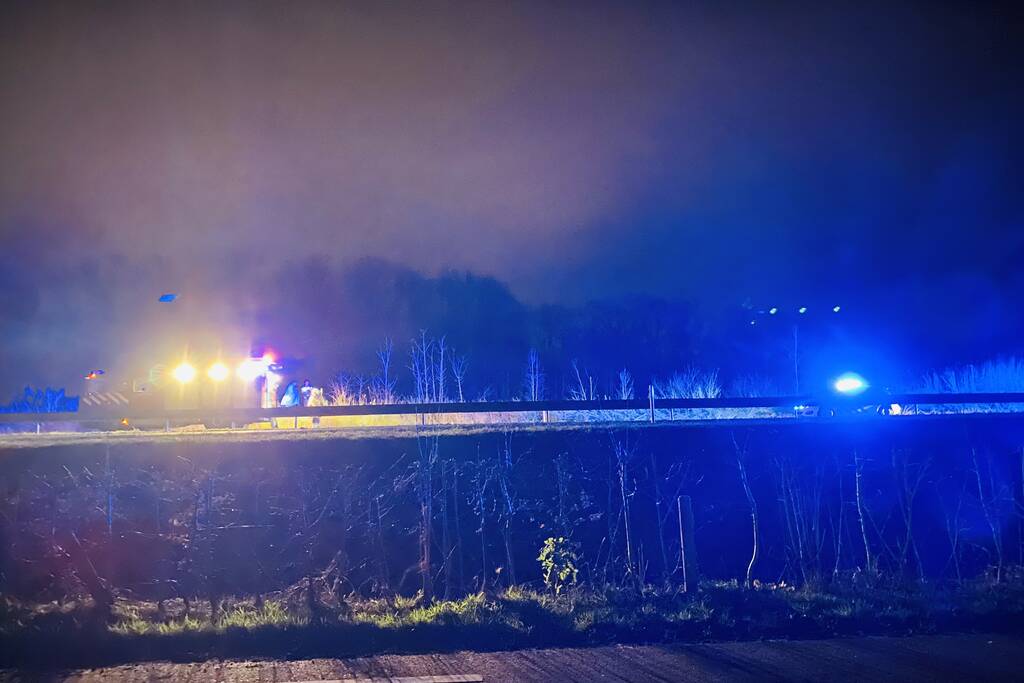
[{"x": 916, "y": 658}]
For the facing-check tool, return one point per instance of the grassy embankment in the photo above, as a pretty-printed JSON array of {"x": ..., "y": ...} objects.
[{"x": 282, "y": 626}]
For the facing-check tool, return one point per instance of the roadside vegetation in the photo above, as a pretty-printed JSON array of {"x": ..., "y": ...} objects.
[
  {"x": 1004, "y": 375},
  {"x": 514, "y": 539},
  {"x": 282, "y": 624}
]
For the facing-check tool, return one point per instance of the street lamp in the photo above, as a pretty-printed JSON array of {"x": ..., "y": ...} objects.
[
  {"x": 218, "y": 372},
  {"x": 184, "y": 373}
]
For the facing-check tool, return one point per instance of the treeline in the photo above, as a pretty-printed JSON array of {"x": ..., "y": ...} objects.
[
  {"x": 41, "y": 401},
  {"x": 444, "y": 516},
  {"x": 484, "y": 327},
  {"x": 437, "y": 372}
]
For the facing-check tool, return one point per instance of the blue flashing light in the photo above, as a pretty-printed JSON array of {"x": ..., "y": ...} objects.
[
  {"x": 835, "y": 309},
  {"x": 772, "y": 310},
  {"x": 753, "y": 322},
  {"x": 802, "y": 309},
  {"x": 850, "y": 384}
]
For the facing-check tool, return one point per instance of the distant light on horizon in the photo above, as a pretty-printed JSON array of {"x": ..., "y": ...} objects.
[
  {"x": 773, "y": 310},
  {"x": 835, "y": 309},
  {"x": 802, "y": 309}
]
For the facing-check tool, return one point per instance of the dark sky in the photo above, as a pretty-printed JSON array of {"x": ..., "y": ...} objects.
[{"x": 717, "y": 153}]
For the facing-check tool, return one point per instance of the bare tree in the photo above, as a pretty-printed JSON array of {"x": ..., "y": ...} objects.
[
  {"x": 988, "y": 502},
  {"x": 909, "y": 477},
  {"x": 377, "y": 513},
  {"x": 510, "y": 502},
  {"x": 838, "y": 527},
  {"x": 480, "y": 500},
  {"x": 429, "y": 369},
  {"x": 800, "y": 495},
  {"x": 687, "y": 544},
  {"x": 440, "y": 373},
  {"x": 459, "y": 365},
  {"x": 624, "y": 390},
  {"x": 954, "y": 531},
  {"x": 428, "y": 451},
  {"x": 870, "y": 560},
  {"x": 384, "y": 384},
  {"x": 741, "y": 456},
  {"x": 447, "y": 549},
  {"x": 422, "y": 349},
  {"x": 533, "y": 378},
  {"x": 659, "y": 505},
  {"x": 624, "y": 452},
  {"x": 460, "y": 566},
  {"x": 584, "y": 389}
]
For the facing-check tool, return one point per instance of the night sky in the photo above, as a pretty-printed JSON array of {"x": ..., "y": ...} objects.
[{"x": 721, "y": 154}]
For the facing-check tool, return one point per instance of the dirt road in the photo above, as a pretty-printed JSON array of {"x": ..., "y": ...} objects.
[{"x": 917, "y": 658}]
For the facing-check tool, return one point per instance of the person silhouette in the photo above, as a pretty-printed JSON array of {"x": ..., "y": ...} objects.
[{"x": 290, "y": 399}]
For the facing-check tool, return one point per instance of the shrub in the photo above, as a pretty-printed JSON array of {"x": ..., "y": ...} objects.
[
  {"x": 558, "y": 562},
  {"x": 691, "y": 383}
]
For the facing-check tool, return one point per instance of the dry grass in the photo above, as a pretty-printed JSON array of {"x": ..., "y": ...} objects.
[{"x": 998, "y": 376}]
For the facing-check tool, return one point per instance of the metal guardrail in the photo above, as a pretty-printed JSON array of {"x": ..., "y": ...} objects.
[{"x": 245, "y": 415}]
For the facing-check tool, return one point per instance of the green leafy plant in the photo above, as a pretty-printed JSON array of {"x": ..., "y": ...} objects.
[{"x": 558, "y": 562}]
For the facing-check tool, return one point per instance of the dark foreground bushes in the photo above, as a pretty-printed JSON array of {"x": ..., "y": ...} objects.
[
  {"x": 282, "y": 624},
  {"x": 130, "y": 551}
]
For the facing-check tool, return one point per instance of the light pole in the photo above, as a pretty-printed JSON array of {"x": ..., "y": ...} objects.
[{"x": 801, "y": 313}]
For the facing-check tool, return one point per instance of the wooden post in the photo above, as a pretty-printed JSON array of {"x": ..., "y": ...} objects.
[{"x": 687, "y": 544}]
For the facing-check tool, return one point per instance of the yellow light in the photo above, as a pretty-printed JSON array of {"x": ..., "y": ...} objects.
[
  {"x": 251, "y": 368},
  {"x": 218, "y": 372},
  {"x": 184, "y": 373}
]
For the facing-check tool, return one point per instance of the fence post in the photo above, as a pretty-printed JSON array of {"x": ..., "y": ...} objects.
[{"x": 650, "y": 399}]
